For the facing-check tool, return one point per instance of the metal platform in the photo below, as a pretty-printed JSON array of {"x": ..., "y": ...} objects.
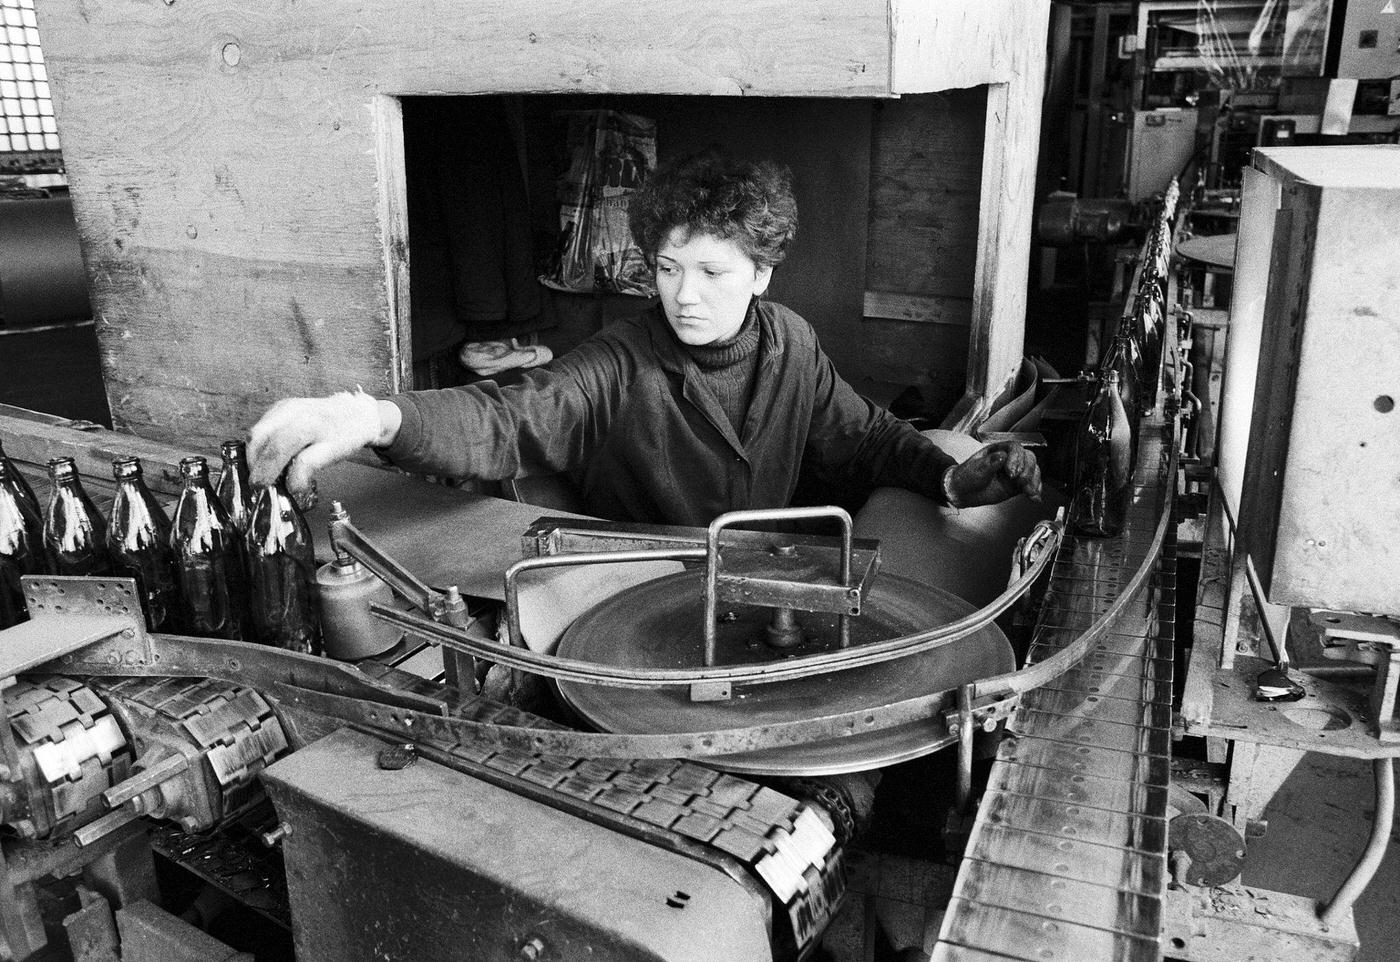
[{"x": 1067, "y": 858}]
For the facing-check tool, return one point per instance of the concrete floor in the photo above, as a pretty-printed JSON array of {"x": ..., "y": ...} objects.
[{"x": 1318, "y": 824}]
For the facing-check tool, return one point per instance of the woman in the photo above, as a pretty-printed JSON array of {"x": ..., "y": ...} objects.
[{"x": 713, "y": 400}]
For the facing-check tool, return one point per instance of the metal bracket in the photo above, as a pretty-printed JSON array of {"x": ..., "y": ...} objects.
[
  {"x": 1373, "y": 641},
  {"x": 985, "y": 716}
]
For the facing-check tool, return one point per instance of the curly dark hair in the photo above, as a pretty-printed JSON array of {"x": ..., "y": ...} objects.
[{"x": 750, "y": 203}]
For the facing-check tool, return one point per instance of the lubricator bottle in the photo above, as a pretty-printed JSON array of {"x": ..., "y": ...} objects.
[
  {"x": 347, "y": 590},
  {"x": 208, "y": 559},
  {"x": 282, "y": 573},
  {"x": 234, "y": 491},
  {"x": 1102, "y": 463},
  {"x": 75, "y": 536},
  {"x": 25, "y": 491},
  {"x": 138, "y": 539},
  {"x": 21, "y": 544}
]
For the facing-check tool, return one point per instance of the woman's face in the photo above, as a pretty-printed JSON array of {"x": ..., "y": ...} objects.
[{"x": 705, "y": 285}]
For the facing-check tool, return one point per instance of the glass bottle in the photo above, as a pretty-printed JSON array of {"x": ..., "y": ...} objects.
[
  {"x": 138, "y": 539},
  {"x": 1102, "y": 463},
  {"x": 208, "y": 559},
  {"x": 235, "y": 492},
  {"x": 75, "y": 535},
  {"x": 1149, "y": 319},
  {"x": 25, "y": 491},
  {"x": 1131, "y": 330},
  {"x": 282, "y": 573},
  {"x": 21, "y": 545}
]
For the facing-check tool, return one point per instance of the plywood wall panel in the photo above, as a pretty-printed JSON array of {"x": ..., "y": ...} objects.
[
  {"x": 925, "y": 188},
  {"x": 228, "y": 163}
]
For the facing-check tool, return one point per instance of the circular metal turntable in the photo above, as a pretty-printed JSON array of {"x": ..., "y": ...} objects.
[{"x": 658, "y": 624}]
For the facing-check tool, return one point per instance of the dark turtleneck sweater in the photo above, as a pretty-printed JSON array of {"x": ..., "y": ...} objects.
[{"x": 727, "y": 369}]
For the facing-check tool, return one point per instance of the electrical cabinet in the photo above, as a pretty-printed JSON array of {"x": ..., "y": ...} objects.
[{"x": 1316, "y": 486}]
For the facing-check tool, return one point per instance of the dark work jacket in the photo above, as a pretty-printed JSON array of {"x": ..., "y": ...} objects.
[{"x": 626, "y": 415}]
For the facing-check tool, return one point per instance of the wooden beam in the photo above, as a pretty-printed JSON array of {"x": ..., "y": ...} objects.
[
  {"x": 942, "y": 45},
  {"x": 393, "y": 226},
  {"x": 920, "y": 309},
  {"x": 1004, "y": 226}
]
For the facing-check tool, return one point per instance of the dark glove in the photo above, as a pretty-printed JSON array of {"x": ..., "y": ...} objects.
[{"x": 999, "y": 471}]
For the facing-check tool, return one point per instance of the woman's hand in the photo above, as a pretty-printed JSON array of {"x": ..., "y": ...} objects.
[
  {"x": 999, "y": 471},
  {"x": 303, "y": 435}
]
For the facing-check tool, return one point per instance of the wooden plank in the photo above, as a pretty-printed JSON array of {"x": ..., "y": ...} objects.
[
  {"x": 393, "y": 225},
  {"x": 925, "y": 181},
  {"x": 917, "y": 308},
  {"x": 230, "y": 164}
]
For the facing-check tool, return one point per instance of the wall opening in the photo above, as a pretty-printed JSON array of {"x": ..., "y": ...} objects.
[{"x": 888, "y": 195}]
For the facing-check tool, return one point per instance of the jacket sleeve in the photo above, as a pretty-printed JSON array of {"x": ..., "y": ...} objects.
[
  {"x": 854, "y": 440},
  {"x": 541, "y": 424}
]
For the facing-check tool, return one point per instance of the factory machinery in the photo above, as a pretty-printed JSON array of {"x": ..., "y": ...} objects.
[{"x": 701, "y": 805}]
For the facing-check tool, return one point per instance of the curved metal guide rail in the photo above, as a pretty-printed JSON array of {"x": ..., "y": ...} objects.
[{"x": 1067, "y": 854}]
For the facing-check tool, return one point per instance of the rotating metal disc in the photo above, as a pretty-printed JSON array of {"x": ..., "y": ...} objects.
[{"x": 657, "y": 625}]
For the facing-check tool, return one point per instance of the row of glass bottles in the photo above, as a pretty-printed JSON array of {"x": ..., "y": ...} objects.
[
  {"x": 232, "y": 563},
  {"x": 1106, "y": 441}
]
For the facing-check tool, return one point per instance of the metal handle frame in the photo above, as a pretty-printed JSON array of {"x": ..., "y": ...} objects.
[{"x": 732, "y": 518}]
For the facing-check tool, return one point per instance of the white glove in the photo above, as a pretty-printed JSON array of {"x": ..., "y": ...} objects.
[{"x": 305, "y": 434}]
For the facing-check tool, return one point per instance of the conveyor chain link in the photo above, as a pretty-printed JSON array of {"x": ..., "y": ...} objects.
[
  {"x": 782, "y": 841},
  {"x": 77, "y": 749},
  {"x": 233, "y": 726}
]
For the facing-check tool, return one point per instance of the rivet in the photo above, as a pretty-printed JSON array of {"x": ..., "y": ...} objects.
[{"x": 232, "y": 54}]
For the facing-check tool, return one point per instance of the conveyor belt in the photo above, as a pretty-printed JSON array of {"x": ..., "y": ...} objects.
[{"x": 1067, "y": 855}]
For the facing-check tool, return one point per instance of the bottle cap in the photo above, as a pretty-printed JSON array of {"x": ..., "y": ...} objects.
[
  {"x": 194, "y": 467},
  {"x": 62, "y": 468},
  {"x": 234, "y": 449},
  {"x": 123, "y": 468}
]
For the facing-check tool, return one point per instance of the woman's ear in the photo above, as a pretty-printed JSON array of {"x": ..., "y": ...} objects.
[{"x": 761, "y": 278}]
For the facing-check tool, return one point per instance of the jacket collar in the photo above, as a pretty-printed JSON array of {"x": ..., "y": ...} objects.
[
  {"x": 673, "y": 357},
  {"x": 672, "y": 354}
]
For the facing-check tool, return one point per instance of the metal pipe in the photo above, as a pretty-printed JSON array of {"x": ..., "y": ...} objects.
[
  {"x": 100, "y": 828},
  {"x": 144, "y": 780},
  {"x": 966, "y": 729},
  {"x": 1383, "y": 770}
]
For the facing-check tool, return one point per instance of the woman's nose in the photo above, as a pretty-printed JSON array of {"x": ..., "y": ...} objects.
[{"x": 689, "y": 290}]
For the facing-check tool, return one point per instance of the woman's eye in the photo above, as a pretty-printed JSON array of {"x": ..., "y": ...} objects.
[
  {"x": 666, "y": 269},
  {"x": 714, "y": 273}
]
